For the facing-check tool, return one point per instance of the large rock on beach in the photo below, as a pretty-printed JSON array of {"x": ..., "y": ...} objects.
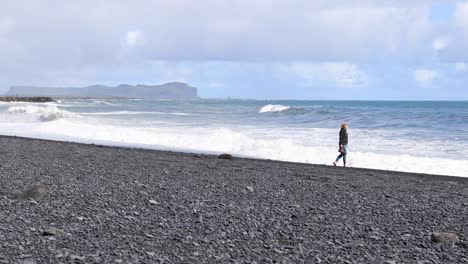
[
  {"x": 225, "y": 156},
  {"x": 442, "y": 237},
  {"x": 35, "y": 192}
]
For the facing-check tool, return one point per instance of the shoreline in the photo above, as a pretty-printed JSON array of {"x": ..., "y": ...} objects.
[
  {"x": 71, "y": 202},
  {"x": 214, "y": 155}
]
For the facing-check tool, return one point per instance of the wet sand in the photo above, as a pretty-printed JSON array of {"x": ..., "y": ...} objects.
[{"x": 95, "y": 204}]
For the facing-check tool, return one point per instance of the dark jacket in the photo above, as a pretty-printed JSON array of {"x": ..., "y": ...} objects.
[{"x": 343, "y": 137}]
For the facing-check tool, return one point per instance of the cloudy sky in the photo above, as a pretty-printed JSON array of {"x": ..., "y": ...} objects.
[{"x": 301, "y": 49}]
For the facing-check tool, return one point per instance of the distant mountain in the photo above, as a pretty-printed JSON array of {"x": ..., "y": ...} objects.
[{"x": 172, "y": 90}]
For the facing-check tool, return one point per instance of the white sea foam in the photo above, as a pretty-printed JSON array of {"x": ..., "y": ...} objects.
[
  {"x": 135, "y": 113},
  {"x": 316, "y": 146},
  {"x": 47, "y": 113},
  {"x": 273, "y": 108},
  {"x": 36, "y": 104},
  {"x": 105, "y": 103}
]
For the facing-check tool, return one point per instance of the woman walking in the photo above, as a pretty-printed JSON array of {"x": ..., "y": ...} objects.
[{"x": 343, "y": 149}]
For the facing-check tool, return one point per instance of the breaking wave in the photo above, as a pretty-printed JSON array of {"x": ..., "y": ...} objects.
[
  {"x": 44, "y": 114},
  {"x": 284, "y": 109},
  {"x": 273, "y": 108},
  {"x": 136, "y": 113}
]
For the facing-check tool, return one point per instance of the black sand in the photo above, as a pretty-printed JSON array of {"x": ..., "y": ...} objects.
[{"x": 104, "y": 205}]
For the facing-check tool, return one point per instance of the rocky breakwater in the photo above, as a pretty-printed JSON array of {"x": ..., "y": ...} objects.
[{"x": 31, "y": 99}]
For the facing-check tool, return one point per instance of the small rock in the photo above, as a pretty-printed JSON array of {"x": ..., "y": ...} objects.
[
  {"x": 151, "y": 201},
  {"x": 76, "y": 257},
  {"x": 24, "y": 256},
  {"x": 52, "y": 232},
  {"x": 356, "y": 243},
  {"x": 225, "y": 156},
  {"x": 278, "y": 251},
  {"x": 250, "y": 189},
  {"x": 27, "y": 261},
  {"x": 390, "y": 262},
  {"x": 149, "y": 235},
  {"x": 3, "y": 259},
  {"x": 443, "y": 237},
  {"x": 406, "y": 236}
]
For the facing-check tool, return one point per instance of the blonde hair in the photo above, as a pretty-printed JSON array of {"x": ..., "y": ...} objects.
[{"x": 344, "y": 125}]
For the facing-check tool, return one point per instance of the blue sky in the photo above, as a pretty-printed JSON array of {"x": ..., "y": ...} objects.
[{"x": 298, "y": 49}]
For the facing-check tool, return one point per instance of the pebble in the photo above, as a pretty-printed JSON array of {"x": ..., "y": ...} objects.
[
  {"x": 76, "y": 257},
  {"x": 356, "y": 243},
  {"x": 151, "y": 201},
  {"x": 149, "y": 235},
  {"x": 27, "y": 261},
  {"x": 52, "y": 231}
]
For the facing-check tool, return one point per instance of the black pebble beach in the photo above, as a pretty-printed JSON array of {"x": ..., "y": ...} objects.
[{"x": 75, "y": 203}]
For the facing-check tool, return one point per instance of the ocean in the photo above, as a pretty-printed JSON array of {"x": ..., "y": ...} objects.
[{"x": 425, "y": 137}]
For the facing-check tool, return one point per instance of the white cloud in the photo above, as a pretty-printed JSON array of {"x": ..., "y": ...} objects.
[
  {"x": 342, "y": 74},
  {"x": 461, "y": 66},
  {"x": 221, "y": 30},
  {"x": 440, "y": 44},
  {"x": 425, "y": 77},
  {"x": 133, "y": 38},
  {"x": 346, "y": 74},
  {"x": 77, "y": 35},
  {"x": 461, "y": 15}
]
